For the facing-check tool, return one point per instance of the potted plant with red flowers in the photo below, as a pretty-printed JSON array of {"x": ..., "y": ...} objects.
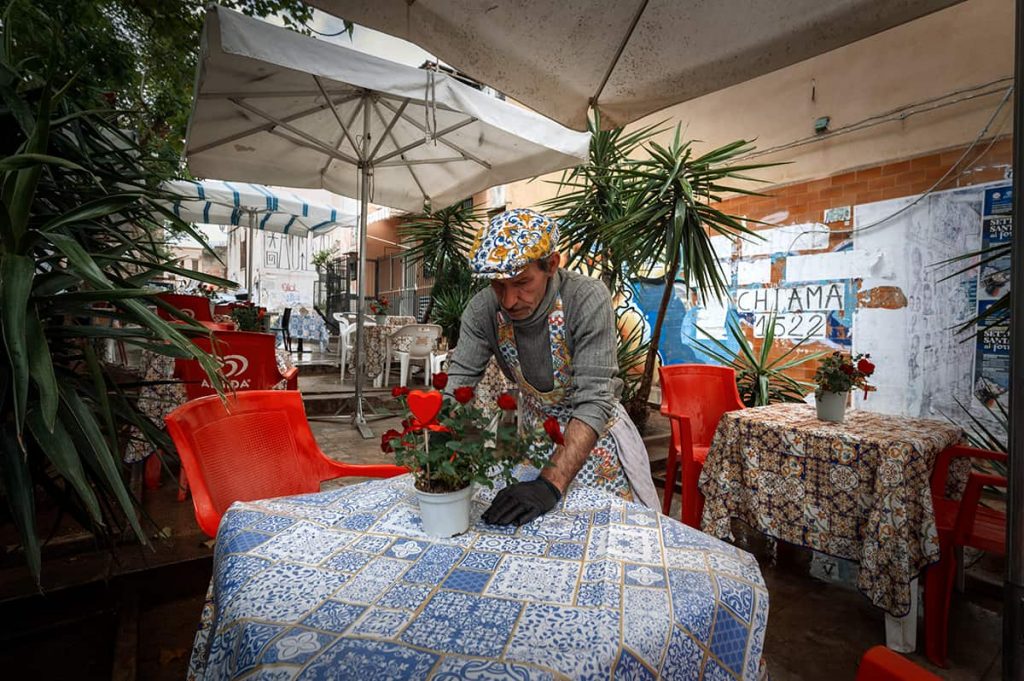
[
  {"x": 449, "y": 444},
  {"x": 379, "y": 308},
  {"x": 837, "y": 374}
]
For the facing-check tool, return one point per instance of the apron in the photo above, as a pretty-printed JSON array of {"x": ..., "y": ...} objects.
[{"x": 618, "y": 463}]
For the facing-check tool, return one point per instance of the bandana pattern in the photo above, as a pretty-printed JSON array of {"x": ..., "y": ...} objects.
[
  {"x": 602, "y": 469},
  {"x": 512, "y": 241}
]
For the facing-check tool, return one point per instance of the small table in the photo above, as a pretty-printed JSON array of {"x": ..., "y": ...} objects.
[
  {"x": 343, "y": 584},
  {"x": 376, "y": 344},
  {"x": 308, "y": 326},
  {"x": 859, "y": 490}
]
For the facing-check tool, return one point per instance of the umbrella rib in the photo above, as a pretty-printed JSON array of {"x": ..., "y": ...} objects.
[
  {"x": 265, "y": 127},
  {"x": 420, "y": 143},
  {"x": 351, "y": 94},
  {"x": 394, "y": 141},
  {"x": 317, "y": 144},
  {"x": 420, "y": 162},
  {"x": 337, "y": 147},
  {"x": 337, "y": 117},
  {"x": 315, "y": 147},
  {"x": 618, "y": 53},
  {"x": 391, "y": 124},
  {"x": 451, "y": 145}
]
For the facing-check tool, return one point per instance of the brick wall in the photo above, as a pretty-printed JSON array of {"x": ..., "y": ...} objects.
[{"x": 807, "y": 202}]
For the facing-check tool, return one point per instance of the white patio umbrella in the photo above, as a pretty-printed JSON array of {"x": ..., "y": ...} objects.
[
  {"x": 275, "y": 106},
  {"x": 257, "y": 206},
  {"x": 626, "y": 58}
]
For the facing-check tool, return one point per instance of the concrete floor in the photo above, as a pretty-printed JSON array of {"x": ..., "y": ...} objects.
[{"x": 817, "y": 629}]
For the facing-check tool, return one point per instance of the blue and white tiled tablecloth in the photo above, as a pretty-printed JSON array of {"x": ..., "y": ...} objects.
[{"x": 343, "y": 584}]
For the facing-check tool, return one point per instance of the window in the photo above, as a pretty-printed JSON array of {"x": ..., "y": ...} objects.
[{"x": 195, "y": 264}]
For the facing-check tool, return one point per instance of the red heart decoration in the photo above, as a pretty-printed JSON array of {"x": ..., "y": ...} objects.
[{"x": 425, "y": 405}]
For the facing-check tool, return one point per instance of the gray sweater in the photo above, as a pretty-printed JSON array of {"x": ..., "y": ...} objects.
[{"x": 591, "y": 333}]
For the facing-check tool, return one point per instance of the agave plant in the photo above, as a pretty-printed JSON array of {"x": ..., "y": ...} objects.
[
  {"x": 81, "y": 237},
  {"x": 440, "y": 241},
  {"x": 592, "y": 196},
  {"x": 760, "y": 379},
  {"x": 669, "y": 219}
]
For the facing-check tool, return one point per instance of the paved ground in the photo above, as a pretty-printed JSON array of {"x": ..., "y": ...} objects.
[{"x": 817, "y": 629}]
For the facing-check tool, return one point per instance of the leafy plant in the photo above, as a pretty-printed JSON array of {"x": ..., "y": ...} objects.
[
  {"x": 454, "y": 447},
  {"x": 81, "y": 235},
  {"x": 249, "y": 317},
  {"x": 322, "y": 257},
  {"x": 840, "y": 373},
  {"x": 669, "y": 219},
  {"x": 449, "y": 304},
  {"x": 760, "y": 379},
  {"x": 440, "y": 241},
  {"x": 592, "y": 196},
  {"x": 631, "y": 352},
  {"x": 379, "y": 305}
]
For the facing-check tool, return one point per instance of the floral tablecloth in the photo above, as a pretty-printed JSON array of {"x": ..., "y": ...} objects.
[
  {"x": 309, "y": 326},
  {"x": 857, "y": 490},
  {"x": 343, "y": 584},
  {"x": 375, "y": 344}
]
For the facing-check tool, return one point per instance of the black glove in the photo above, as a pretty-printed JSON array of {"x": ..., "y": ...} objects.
[{"x": 520, "y": 503}]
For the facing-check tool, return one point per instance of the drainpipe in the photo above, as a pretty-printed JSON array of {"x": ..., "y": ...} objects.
[{"x": 1013, "y": 608}]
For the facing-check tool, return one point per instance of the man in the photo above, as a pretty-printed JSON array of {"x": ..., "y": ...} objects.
[{"x": 553, "y": 333}]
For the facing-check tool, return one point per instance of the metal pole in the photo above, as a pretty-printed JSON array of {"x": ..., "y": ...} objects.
[
  {"x": 365, "y": 168},
  {"x": 1013, "y": 608},
  {"x": 248, "y": 261}
]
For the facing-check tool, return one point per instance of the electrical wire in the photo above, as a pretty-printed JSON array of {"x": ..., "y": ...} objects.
[{"x": 938, "y": 183}]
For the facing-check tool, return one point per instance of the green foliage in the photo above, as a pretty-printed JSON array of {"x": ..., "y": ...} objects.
[
  {"x": 137, "y": 55},
  {"x": 249, "y": 318},
  {"x": 458, "y": 448},
  {"x": 322, "y": 257},
  {"x": 591, "y": 196},
  {"x": 631, "y": 352},
  {"x": 840, "y": 373},
  {"x": 761, "y": 380},
  {"x": 668, "y": 219},
  {"x": 81, "y": 236},
  {"x": 999, "y": 311}
]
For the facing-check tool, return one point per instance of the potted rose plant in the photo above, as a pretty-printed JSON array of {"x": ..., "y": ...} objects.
[
  {"x": 837, "y": 374},
  {"x": 379, "y": 308},
  {"x": 447, "y": 445}
]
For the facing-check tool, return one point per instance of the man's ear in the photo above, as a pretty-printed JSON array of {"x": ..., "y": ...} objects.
[{"x": 554, "y": 260}]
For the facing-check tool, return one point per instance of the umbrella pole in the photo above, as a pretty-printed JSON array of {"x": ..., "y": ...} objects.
[
  {"x": 358, "y": 418},
  {"x": 1013, "y": 606},
  {"x": 248, "y": 260}
]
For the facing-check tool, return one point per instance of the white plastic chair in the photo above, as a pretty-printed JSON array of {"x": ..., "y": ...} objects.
[
  {"x": 346, "y": 337},
  {"x": 422, "y": 347}
]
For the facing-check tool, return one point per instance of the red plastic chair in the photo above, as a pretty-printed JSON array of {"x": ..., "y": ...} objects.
[
  {"x": 960, "y": 523},
  {"x": 257, "y": 446},
  {"x": 248, "y": 362},
  {"x": 694, "y": 397},
  {"x": 881, "y": 664}
]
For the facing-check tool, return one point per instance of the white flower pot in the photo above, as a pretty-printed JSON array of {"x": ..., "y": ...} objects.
[
  {"x": 445, "y": 514},
  {"x": 381, "y": 319},
  {"x": 831, "y": 406}
]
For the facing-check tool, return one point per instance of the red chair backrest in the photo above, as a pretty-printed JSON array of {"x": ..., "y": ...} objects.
[
  {"x": 253, "y": 445},
  {"x": 881, "y": 664},
  {"x": 703, "y": 392},
  {"x": 197, "y": 307},
  {"x": 248, "y": 362}
]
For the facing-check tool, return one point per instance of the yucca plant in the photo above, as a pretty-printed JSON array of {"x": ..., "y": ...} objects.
[
  {"x": 81, "y": 236},
  {"x": 591, "y": 196},
  {"x": 631, "y": 353},
  {"x": 760, "y": 379},
  {"x": 669, "y": 219},
  {"x": 441, "y": 240}
]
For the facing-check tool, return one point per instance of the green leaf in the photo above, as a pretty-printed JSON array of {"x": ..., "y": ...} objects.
[
  {"x": 16, "y": 272},
  {"x": 19, "y": 199},
  {"x": 20, "y": 494},
  {"x": 62, "y": 453},
  {"x": 100, "y": 457},
  {"x": 19, "y": 161},
  {"x": 41, "y": 369}
]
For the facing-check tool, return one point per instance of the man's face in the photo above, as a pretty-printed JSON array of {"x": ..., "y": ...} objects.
[{"x": 520, "y": 295}]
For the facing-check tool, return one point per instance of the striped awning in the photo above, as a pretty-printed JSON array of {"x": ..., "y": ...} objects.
[{"x": 275, "y": 209}]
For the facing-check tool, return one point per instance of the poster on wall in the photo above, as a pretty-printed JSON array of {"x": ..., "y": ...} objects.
[{"x": 992, "y": 352}]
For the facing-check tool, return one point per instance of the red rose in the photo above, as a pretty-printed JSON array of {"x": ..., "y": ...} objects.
[
  {"x": 554, "y": 430},
  {"x": 399, "y": 391},
  {"x": 464, "y": 394},
  {"x": 440, "y": 380},
  {"x": 385, "y": 441},
  {"x": 866, "y": 367},
  {"x": 506, "y": 401},
  {"x": 846, "y": 369}
]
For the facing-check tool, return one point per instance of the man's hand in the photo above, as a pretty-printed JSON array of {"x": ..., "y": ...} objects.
[{"x": 520, "y": 503}]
